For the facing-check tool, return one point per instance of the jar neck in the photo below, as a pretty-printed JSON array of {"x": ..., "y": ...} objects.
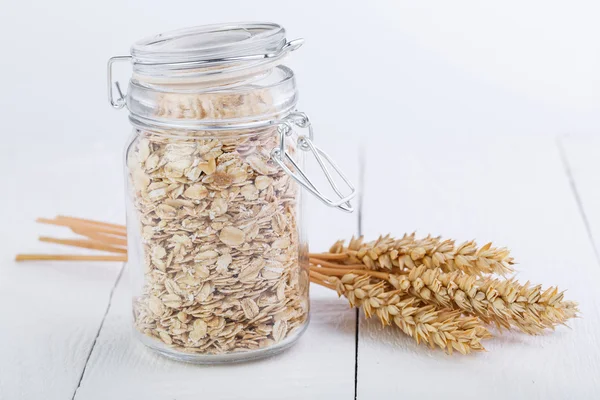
[{"x": 224, "y": 102}]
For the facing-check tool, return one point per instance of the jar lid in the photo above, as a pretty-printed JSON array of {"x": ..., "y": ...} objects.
[
  {"x": 184, "y": 78},
  {"x": 203, "y": 47}
]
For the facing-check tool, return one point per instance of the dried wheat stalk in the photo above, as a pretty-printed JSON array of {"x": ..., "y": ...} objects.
[
  {"x": 506, "y": 303},
  {"x": 442, "y": 327},
  {"x": 397, "y": 255}
]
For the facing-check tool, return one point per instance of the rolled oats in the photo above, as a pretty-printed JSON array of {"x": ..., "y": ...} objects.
[{"x": 218, "y": 234}]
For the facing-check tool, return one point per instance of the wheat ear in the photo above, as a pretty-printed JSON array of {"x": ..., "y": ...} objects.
[
  {"x": 444, "y": 328},
  {"x": 505, "y": 303},
  {"x": 390, "y": 254}
]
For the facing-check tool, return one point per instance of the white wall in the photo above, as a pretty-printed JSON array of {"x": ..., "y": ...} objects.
[{"x": 407, "y": 67}]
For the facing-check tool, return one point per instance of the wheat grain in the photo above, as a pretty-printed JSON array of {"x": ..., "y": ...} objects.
[
  {"x": 505, "y": 303},
  {"x": 390, "y": 254}
]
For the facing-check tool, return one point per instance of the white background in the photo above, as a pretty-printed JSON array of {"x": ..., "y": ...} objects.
[
  {"x": 460, "y": 104},
  {"x": 430, "y": 67}
]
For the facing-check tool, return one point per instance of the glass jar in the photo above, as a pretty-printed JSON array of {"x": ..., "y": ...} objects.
[{"x": 217, "y": 253}]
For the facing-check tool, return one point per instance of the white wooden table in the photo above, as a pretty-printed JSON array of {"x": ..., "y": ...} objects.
[
  {"x": 66, "y": 326},
  {"x": 446, "y": 149}
]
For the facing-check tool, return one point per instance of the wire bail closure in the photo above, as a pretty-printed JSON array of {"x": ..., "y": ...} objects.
[{"x": 280, "y": 156}]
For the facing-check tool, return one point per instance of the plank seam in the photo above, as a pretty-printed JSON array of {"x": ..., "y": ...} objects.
[
  {"x": 575, "y": 191},
  {"x": 110, "y": 297},
  {"x": 361, "y": 185}
]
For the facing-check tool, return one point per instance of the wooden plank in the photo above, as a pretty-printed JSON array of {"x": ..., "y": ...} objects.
[
  {"x": 512, "y": 190},
  {"x": 51, "y": 311},
  {"x": 319, "y": 366}
]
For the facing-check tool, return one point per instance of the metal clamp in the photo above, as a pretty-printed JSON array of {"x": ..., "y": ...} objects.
[
  {"x": 280, "y": 156},
  {"x": 119, "y": 102},
  {"x": 286, "y": 48}
]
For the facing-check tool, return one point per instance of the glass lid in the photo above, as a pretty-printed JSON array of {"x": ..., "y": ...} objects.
[
  {"x": 210, "y": 44},
  {"x": 236, "y": 57}
]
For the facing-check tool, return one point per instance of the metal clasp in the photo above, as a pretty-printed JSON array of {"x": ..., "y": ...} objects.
[
  {"x": 119, "y": 102},
  {"x": 288, "y": 47},
  {"x": 280, "y": 156}
]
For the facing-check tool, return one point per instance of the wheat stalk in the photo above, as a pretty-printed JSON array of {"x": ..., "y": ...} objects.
[
  {"x": 390, "y": 254},
  {"x": 506, "y": 303},
  {"x": 444, "y": 328}
]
